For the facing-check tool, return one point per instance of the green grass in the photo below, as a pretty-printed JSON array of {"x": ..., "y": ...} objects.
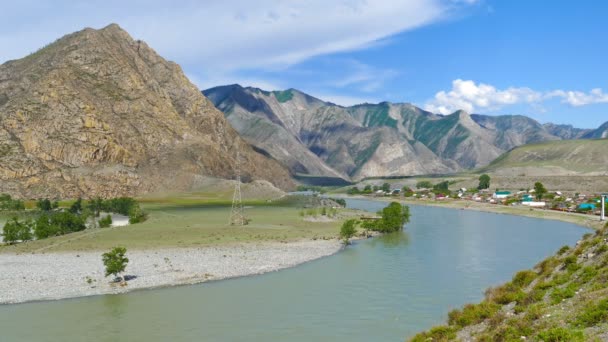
[{"x": 171, "y": 225}]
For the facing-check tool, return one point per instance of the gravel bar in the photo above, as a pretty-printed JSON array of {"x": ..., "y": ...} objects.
[{"x": 49, "y": 276}]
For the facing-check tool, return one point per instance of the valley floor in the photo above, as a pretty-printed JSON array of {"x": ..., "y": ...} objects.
[{"x": 32, "y": 277}]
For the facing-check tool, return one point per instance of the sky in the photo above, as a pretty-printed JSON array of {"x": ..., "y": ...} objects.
[{"x": 544, "y": 59}]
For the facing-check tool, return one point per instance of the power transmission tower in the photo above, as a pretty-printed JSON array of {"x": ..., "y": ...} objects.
[{"x": 237, "y": 217}]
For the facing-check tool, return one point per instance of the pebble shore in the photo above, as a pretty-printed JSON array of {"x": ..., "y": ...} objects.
[{"x": 49, "y": 276}]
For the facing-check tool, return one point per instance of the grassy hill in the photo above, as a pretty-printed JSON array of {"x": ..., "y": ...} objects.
[{"x": 565, "y": 157}]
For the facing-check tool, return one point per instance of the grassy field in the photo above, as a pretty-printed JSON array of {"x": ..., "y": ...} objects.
[{"x": 181, "y": 223}]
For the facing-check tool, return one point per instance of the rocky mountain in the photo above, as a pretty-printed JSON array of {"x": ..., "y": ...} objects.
[
  {"x": 319, "y": 138},
  {"x": 99, "y": 113},
  {"x": 566, "y": 131},
  {"x": 600, "y": 133},
  {"x": 369, "y": 140}
]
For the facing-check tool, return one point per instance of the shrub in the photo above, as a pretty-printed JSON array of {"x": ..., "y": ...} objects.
[
  {"x": 472, "y": 314},
  {"x": 505, "y": 294},
  {"x": 105, "y": 222},
  {"x": 524, "y": 278},
  {"x": 592, "y": 314},
  {"x": 602, "y": 249},
  {"x": 137, "y": 215},
  {"x": 560, "y": 294},
  {"x": 560, "y": 334},
  {"x": 563, "y": 250},
  {"x": 438, "y": 334},
  {"x": 586, "y": 274}
]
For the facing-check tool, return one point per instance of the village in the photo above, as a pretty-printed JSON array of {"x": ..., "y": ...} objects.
[{"x": 537, "y": 197}]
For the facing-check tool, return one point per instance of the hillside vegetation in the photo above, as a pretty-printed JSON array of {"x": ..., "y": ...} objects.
[{"x": 563, "y": 298}]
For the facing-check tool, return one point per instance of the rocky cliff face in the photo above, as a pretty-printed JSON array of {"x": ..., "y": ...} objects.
[
  {"x": 370, "y": 140},
  {"x": 98, "y": 113}
]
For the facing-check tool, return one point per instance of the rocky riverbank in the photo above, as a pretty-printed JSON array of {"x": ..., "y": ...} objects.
[{"x": 48, "y": 276}]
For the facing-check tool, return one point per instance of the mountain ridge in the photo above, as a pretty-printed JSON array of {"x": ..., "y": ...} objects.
[
  {"x": 97, "y": 113},
  {"x": 383, "y": 139}
]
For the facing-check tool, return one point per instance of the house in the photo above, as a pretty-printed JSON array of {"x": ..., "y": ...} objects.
[{"x": 501, "y": 194}]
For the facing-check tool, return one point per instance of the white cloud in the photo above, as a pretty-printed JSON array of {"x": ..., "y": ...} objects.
[
  {"x": 578, "y": 98},
  {"x": 226, "y": 34},
  {"x": 470, "y": 97}
]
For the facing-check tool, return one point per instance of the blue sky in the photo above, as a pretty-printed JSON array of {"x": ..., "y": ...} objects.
[{"x": 544, "y": 59}]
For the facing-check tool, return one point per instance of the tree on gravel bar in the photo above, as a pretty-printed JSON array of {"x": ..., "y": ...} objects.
[{"x": 115, "y": 261}]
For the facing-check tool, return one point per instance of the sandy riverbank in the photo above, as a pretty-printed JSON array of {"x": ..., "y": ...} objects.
[{"x": 31, "y": 277}]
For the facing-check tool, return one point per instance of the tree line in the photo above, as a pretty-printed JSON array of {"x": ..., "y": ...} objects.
[{"x": 54, "y": 221}]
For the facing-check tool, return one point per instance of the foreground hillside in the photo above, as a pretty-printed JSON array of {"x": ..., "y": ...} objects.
[
  {"x": 569, "y": 157},
  {"x": 314, "y": 137},
  {"x": 563, "y": 298},
  {"x": 97, "y": 113}
]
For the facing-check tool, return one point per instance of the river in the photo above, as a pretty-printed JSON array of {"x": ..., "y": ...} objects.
[{"x": 382, "y": 289}]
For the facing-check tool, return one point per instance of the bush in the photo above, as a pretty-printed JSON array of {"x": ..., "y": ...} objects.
[
  {"x": 524, "y": 278},
  {"x": 563, "y": 250},
  {"x": 105, "y": 222},
  {"x": 593, "y": 314},
  {"x": 560, "y": 334},
  {"x": 505, "y": 294},
  {"x": 438, "y": 334},
  {"x": 472, "y": 314},
  {"x": 137, "y": 215},
  {"x": 559, "y": 294}
]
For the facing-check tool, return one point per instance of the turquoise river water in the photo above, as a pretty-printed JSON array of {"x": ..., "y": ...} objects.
[{"x": 382, "y": 289}]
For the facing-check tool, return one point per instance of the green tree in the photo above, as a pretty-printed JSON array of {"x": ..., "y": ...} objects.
[
  {"x": 95, "y": 206},
  {"x": 441, "y": 187},
  {"x": 44, "y": 204},
  {"x": 424, "y": 185},
  {"x": 539, "y": 190},
  {"x": 348, "y": 230},
  {"x": 484, "y": 182},
  {"x": 43, "y": 228},
  {"x": 14, "y": 231},
  {"x": 115, "y": 261},
  {"x": 77, "y": 206},
  {"x": 367, "y": 189},
  {"x": 353, "y": 191},
  {"x": 386, "y": 187},
  {"x": 394, "y": 216}
]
